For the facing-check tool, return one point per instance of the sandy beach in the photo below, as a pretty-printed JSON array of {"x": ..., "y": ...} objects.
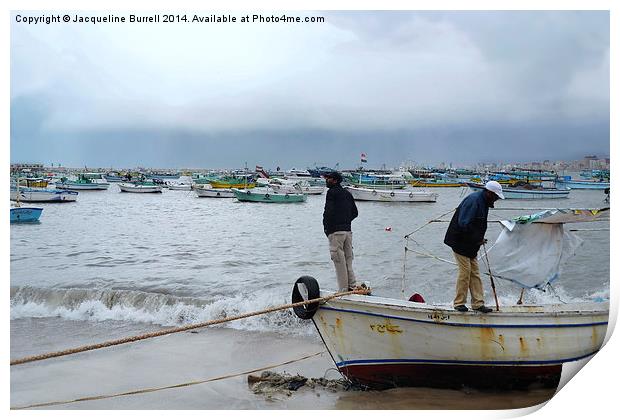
[{"x": 205, "y": 355}]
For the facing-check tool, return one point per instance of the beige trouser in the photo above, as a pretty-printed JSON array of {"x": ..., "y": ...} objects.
[
  {"x": 468, "y": 280},
  {"x": 341, "y": 252}
]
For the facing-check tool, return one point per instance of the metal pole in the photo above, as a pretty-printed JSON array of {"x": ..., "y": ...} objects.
[{"x": 491, "y": 276}]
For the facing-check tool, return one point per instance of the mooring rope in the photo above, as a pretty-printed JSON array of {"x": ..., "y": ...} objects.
[
  {"x": 181, "y": 329},
  {"x": 161, "y": 388}
]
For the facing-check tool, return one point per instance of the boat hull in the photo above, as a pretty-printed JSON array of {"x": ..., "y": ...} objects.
[
  {"x": 584, "y": 185},
  {"x": 28, "y": 195},
  {"x": 82, "y": 187},
  {"x": 524, "y": 194},
  {"x": 214, "y": 193},
  {"x": 255, "y": 196},
  {"x": 25, "y": 214},
  {"x": 140, "y": 188},
  {"x": 382, "y": 343},
  {"x": 365, "y": 194}
]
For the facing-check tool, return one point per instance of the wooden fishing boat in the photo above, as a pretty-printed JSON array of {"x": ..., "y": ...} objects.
[
  {"x": 582, "y": 184},
  {"x": 207, "y": 191},
  {"x": 400, "y": 196},
  {"x": 84, "y": 182},
  {"x": 434, "y": 183},
  {"x": 381, "y": 342},
  {"x": 43, "y": 195},
  {"x": 267, "y": 195},
  {"x": 527, "y": 192},
  {"x": 140, "y": 187},
  {"x": 25, "y": 214}
]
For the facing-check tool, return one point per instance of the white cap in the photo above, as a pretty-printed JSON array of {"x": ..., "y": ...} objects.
[{"x": 495, "y": 187}]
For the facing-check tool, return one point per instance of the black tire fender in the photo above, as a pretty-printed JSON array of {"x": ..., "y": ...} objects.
[
  {"x": 305, "y": 288},
  {"x": 392, "y": 194}
]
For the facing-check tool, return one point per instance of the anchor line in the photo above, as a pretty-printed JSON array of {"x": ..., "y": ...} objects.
[
  {"x": 161, "y": 388},
  {"x": 182, "y": 329}
]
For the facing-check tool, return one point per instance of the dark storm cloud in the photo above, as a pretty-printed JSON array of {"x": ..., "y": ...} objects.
[{"x": 401, "y": 86}]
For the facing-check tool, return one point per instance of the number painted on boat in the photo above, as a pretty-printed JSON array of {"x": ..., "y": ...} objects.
[
  {"x": 386, "y": 328},
  {"x": 438, "y": 316}
]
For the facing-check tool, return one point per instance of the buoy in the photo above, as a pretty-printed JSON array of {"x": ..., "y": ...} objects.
[{"x": 388, "y": 229}]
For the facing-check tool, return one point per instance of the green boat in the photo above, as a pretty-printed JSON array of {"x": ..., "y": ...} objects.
[{"x": 267, "y": 195}]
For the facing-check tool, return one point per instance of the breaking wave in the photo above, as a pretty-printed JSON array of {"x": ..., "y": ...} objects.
[{"x": 155, "y": 308}]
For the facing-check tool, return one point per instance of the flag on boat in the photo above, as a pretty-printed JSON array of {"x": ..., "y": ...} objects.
[
  {"x": 363, "y": 158},
  {"x": 261, "y": 172}
]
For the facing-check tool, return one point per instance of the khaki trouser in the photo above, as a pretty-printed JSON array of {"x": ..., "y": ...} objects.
[
  {"x": 468, "y": 280},
  {"x": 341, "y": 252}
]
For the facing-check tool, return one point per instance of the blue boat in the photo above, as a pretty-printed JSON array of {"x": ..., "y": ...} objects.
[
  {"x": 576, "y": 184},
  {"x": 25, "y": 214}
]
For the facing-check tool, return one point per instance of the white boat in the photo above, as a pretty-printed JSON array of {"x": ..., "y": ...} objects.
[
  {"x": 140, "y": 187},
  {"x": 207, "y": 191},
  {"x": 180, "y": 187},
  {"x": 383, "y": 342},
  {"x": 42, "y": 195},
  {"x": 89, "y": 181},
  {"x": 577, "y": 184},
  {"x": 371, "y": 194},
  {"x": 290, "y": 186}
]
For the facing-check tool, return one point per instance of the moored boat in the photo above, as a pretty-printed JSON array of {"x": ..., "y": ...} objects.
[
  {"x": 576, "y": 184},
  {"x": 84, "y": 182},
  {"x": 43, "y": 195},
  {"x": 381, "y": 342},
  {"x": 207, "y": 191},
  {"x": 267, "y": 195},
  {"x": 140, "y": 187},
  {"x": 25, "y": 214},
  {"x": 401, "y": 196},
  {"x": 526, "y": 192}
]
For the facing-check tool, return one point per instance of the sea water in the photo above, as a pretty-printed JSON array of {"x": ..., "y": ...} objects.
[{"x": 114, "y": 264}]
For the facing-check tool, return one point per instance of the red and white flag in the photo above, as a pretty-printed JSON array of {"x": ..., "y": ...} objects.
[{"x": 363, "y": 158}]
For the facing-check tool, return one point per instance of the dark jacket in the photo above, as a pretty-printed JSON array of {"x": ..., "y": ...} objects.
[
  {"x": 468, "y": 225},
  {"x": 339, "y": 211}
]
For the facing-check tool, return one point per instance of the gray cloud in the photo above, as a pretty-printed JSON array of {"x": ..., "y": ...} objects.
[{"x": 422, "y": 86}]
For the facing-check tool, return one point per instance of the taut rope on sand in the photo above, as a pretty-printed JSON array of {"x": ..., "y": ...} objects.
[
  {"x": 161, "y": 388},
  {"x": 181, "y": 329}
]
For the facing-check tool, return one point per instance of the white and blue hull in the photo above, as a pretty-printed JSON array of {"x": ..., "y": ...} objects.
[
  {"x": 34, "y": 195},
  {"x": 584, "y": 185},
  {"x": 383, "y": 342}
]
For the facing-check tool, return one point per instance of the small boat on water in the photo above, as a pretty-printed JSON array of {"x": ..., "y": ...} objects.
[
  {"x": 380, "y": 342},
  {"x": 207, "y": 191},
  {"x": 267, "y": 195},
  {"x": 526, "y": 192},
  {"x": 140, "y": 187},
  {"x": 434, "y": 183},
  {"x": 400, "y": 196},
  {"x": 84, "y": 182},
  {"x": 576, "y": 184},
  {"x": 180, "y": 187},
  {"x": 291, "y": 186},
  {"x": 25, "y": 214},
  {"x": 43, "y": 195}
]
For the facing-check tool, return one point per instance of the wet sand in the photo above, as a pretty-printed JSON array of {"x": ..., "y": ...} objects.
[{"x": 199, "y": 356}]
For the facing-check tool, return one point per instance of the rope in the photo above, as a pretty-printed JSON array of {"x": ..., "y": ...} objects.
[
  {"x": 180, "y": 329},
  {"x": 429, "y": 222},
  {"x": 155, "y": 389}
]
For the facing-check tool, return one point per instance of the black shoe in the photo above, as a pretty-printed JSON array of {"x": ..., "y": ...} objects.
[
  {"x": 483, "y": 309},
  {"x": 461, "y": 308}
]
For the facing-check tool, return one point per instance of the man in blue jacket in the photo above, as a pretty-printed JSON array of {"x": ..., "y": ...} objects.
[
  {"x": 465, "y": 235},
  {"x": 339, "y": 212}
]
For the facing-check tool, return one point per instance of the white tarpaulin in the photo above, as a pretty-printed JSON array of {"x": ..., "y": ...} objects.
[{"x": 531, "y": 250}]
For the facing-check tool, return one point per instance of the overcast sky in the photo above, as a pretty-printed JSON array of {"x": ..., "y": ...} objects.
[{"x": 425, "y": 87}]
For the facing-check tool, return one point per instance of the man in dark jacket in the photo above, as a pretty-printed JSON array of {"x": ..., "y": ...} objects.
[
  {"x": 465, "y": 235},
  {"x": 340, "y": 210}
]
